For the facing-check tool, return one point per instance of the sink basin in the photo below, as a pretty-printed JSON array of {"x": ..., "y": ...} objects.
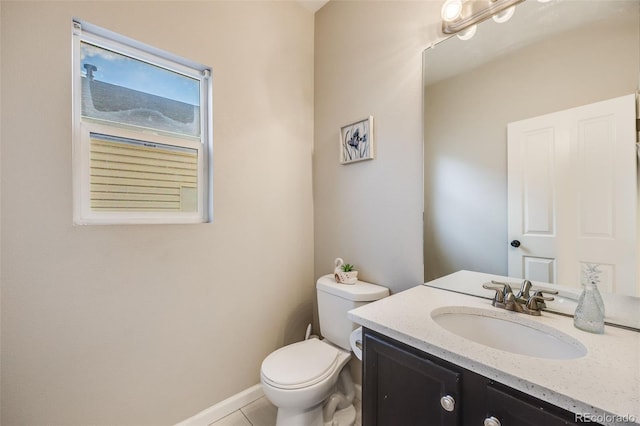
[{"x": 524, "y": 337}]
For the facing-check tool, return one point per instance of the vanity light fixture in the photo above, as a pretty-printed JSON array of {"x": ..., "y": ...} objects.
[
  {"x": 451, "y": 10},
  {"x": 467, "y": 33},
  {"x": 505, "y": 15},
  {"x": 461, "y": 16}
]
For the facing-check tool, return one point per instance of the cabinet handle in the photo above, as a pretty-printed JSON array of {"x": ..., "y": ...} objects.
[
  {"x": 491, "y": 421},
  {"x": 448, "y": 403}
]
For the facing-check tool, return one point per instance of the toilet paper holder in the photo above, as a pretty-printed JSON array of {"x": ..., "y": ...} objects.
[{"x": 355, "y": 340}]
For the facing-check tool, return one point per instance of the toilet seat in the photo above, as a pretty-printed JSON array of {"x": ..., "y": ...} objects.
[{"x": 301, "y": 364}]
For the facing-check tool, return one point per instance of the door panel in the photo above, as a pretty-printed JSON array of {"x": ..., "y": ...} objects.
[
  {"x": 539, "y": 269},
  {"x": 538, "y": 190}
]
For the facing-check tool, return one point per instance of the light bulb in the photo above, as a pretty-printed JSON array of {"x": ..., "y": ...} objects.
[
  {"x": 468, "y": 33},
  {"x": 504, "y": 15},
  {"x": 451, "y": 10}
]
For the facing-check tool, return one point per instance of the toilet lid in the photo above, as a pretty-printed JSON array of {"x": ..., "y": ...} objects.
[{"x": 300, "y": 364}]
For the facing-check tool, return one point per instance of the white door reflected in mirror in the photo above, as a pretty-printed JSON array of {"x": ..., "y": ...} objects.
[{"x": 572, "y": 196}]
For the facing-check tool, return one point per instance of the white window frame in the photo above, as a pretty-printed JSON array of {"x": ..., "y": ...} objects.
[{"x": 83, "y": 127}]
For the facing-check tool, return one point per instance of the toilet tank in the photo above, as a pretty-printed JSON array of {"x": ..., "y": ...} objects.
[{"x": 335, "y": 300}]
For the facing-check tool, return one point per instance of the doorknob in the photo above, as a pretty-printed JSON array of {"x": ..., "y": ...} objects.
[{"x": 515, "y": 243}]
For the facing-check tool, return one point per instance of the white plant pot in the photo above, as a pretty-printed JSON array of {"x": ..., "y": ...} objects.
[{"x": 342, "y": 277}]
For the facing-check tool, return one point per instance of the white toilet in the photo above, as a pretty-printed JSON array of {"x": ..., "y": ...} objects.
[{"x": 301, "y": 379}]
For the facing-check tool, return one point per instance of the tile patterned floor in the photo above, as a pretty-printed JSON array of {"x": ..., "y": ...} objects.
[{"x": 262, "y": 413}]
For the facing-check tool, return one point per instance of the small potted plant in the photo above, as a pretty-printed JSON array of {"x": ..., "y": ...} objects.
[{"x": 344, "y": 272}]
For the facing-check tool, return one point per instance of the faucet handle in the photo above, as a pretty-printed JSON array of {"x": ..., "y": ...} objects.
[
  {"x": 541, "y": 299},
  {"x": 506, "y": 287},
  {"x": 499, "y": 296},
  {"x": 536, "y": 302},
  {"x": 540, "y": 292}
]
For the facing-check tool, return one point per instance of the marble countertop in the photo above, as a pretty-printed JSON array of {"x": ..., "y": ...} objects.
[{"x": 605, "y": 382}]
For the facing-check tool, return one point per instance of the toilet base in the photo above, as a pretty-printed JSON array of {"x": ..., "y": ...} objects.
[
  {"x": 344, "y": 417},
  {"x": 296, "y": 417},
  {"x": 313, "y": 417}
]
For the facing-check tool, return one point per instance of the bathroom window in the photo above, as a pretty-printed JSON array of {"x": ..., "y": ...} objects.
[{"x": 142, "y": 144}]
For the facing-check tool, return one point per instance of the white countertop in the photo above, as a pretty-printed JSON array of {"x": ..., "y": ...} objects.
[{"x": 605, "y": 382}]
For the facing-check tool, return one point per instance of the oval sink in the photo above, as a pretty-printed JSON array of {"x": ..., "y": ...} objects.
[{"x": 524, "y": 337}]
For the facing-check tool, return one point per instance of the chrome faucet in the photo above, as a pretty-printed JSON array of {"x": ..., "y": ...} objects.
[
  {"x": 511, "y": 303},
  {"x": 523, "y": 295},
  {"x": 523, "y": 302}
]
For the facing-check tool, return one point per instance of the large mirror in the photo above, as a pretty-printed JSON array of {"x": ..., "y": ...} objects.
[{"x": 549, "y": 57}]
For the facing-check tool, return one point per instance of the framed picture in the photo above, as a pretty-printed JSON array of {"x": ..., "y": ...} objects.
[{"x": 356, "y": 141}]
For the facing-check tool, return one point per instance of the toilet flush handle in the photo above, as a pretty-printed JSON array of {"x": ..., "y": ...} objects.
[{"x": 308, "y": 333}]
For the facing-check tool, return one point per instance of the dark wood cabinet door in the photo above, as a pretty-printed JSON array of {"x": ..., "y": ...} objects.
[
  {"x": 512, "y": 408},
  {"x": 402, "y": 388}
]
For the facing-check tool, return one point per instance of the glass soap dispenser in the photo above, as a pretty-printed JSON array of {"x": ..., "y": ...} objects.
[{"x": 589, "y": 315}]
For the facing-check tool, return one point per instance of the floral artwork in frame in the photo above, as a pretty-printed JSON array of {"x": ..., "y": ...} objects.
[{"x": 356, "y": 141}]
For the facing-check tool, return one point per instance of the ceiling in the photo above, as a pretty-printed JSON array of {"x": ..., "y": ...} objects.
[{"x": 312, "y": 5}]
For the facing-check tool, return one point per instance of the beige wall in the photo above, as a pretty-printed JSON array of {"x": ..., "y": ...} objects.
[
  {"x": 151, "y": 324},
  {"x": 465, "y": 136},
  {"x": 368, "y": 61}
]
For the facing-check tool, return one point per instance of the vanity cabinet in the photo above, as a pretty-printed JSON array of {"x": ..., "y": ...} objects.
[{"x": 405, "y": 386}]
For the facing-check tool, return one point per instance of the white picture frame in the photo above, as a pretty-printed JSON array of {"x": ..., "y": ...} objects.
[{"x": 356, "y": 141}]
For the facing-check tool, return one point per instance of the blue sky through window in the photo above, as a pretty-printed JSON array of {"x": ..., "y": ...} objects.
[{"x": 134, "y": 74}]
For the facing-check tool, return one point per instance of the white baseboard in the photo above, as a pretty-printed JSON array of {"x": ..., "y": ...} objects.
[
  {"x": 224, "y": 408},
  {"x": 234, "y": 403}
]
